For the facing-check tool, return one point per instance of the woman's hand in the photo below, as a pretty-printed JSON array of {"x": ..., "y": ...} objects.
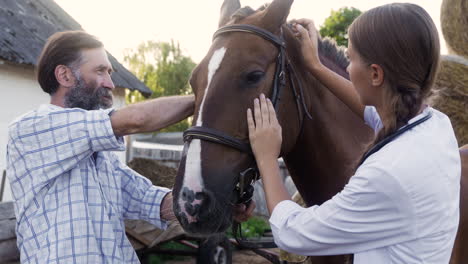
[
  {"x": 265, "y": 139},
  {"x": 264, "y": 130},
  {"x": 305, "y": 31}
]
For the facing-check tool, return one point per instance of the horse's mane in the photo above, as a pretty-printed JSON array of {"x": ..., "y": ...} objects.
[{"x": 327, "y": 46}]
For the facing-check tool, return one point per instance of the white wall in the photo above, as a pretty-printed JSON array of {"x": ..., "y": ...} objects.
[{"x": 21, "y": 93}]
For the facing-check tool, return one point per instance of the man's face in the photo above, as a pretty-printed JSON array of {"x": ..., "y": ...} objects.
[{"x": 93, "y": 85}]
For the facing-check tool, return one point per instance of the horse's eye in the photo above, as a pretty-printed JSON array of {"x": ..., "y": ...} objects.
[{"x": 254, "y": 77}]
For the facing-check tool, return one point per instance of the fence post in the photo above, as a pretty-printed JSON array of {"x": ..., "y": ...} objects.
[{"x": 2, "y": 185}]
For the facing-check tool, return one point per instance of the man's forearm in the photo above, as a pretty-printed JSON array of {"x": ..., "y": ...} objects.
[
  {"x": 152, "y": 115},
  {"x": 165, "y": 111}
]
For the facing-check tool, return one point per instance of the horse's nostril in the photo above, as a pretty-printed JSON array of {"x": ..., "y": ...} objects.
[
  {"x": 192, "y": 209},
  {"x": 207, "y": 206},
  {"x": 196, "y": 204},
  {"x": 188, "y": 195}
]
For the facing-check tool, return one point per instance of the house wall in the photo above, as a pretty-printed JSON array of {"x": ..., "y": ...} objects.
[{"x": 20, "y": 94}]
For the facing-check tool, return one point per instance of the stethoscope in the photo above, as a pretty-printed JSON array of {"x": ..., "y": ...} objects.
[{"x": 393, "y": 136}]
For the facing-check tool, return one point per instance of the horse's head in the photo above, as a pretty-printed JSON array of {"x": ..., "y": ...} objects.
[{"x": 239, "y": 67}]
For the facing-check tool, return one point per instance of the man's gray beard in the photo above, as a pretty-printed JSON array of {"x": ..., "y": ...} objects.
[{"x": 86, "y": 97}]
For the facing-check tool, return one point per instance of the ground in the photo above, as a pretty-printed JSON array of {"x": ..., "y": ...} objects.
[
  {"x": 158, "y": 174},
  {"x": 239, "y": 257}
]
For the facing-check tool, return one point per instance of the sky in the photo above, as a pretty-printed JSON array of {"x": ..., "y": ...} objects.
[{"x": 122, "y": 25}]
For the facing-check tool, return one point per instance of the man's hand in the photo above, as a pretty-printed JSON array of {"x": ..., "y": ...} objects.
[
  {"x": 167, "y": 211},
  {"x": 241, "y": 213}
]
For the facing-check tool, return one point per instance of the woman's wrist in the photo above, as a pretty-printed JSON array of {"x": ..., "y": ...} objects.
[
  {"x": 268, "y": 166},
  {"x": 266, "y": 161},
  {"x": 314, "y": 65}
]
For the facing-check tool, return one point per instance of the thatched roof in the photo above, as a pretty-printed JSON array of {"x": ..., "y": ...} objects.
[
  {"x": 455, "y": 26},
  {"x": 25, "y": 26},
  {"x": 452, "y": 86}
]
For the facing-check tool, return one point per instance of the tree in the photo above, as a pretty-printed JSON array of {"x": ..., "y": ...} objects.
[
  {"x": 336, "y": 25},
  {"x": 164, "y": 69}
]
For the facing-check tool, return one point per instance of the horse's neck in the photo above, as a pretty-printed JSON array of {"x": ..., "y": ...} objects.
[{"x": 324, "y": 156}]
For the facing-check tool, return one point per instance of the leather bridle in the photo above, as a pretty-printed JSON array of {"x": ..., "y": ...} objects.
[
  {"x": 280, "y": 81},
  {"x": 247, "y": 178}
]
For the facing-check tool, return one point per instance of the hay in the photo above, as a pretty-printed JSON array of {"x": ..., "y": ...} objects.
[
  {"x": 454, "y": 20},
  {"x": 157, "y": 173},
  {"x": 452, "y": 88}
]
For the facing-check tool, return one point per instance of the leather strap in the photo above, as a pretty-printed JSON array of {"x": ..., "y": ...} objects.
[
  {"x": 251, "y": 29},
  {"x": 216, "y": 136}
]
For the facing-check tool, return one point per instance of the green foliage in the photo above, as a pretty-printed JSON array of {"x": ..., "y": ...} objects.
[
  {"x": 336, "y": 25},
  {"x": 254, "y": 227},
  {"x": 164, "y": 69}
]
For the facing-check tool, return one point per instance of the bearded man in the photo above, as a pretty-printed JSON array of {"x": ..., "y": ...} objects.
[{"x": 71, "y": 192}]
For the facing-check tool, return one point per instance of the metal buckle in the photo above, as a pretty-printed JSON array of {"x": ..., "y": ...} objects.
[{"x": 245, "y": 186}]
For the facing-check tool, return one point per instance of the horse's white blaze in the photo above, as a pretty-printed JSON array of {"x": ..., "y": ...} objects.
[
  {"x": 193, "y": 176},
  {"x": 213, "y": 66}
]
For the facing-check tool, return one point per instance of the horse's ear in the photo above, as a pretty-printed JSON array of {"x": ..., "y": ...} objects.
[
  {"x": 228, "y": 8},
  {"x": 276, "y": 14}
]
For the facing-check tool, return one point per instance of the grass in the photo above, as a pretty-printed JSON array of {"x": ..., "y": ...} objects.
[
  {"x": 254, "y": 227},
  {"x": 163, "y": 258}
]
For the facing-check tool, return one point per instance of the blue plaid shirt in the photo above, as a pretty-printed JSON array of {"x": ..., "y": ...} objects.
[{"x": 71, "y": 193}]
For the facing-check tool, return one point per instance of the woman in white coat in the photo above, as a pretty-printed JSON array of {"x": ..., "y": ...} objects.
[{"x": 402, "y": 203}]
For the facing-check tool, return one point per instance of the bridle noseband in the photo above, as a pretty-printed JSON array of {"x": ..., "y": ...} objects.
[{"x": 247, "y": 178}]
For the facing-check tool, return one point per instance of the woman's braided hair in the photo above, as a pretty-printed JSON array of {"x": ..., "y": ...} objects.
[{"x": 403, "y": 40}]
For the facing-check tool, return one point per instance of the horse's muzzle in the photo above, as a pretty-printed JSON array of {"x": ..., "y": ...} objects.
[{"x": 199, "y": 213}]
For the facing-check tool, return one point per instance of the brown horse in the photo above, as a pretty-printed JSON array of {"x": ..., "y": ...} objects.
[
  {"x": 460, "y": 254},
  {"x": 320, "y": 153}
]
